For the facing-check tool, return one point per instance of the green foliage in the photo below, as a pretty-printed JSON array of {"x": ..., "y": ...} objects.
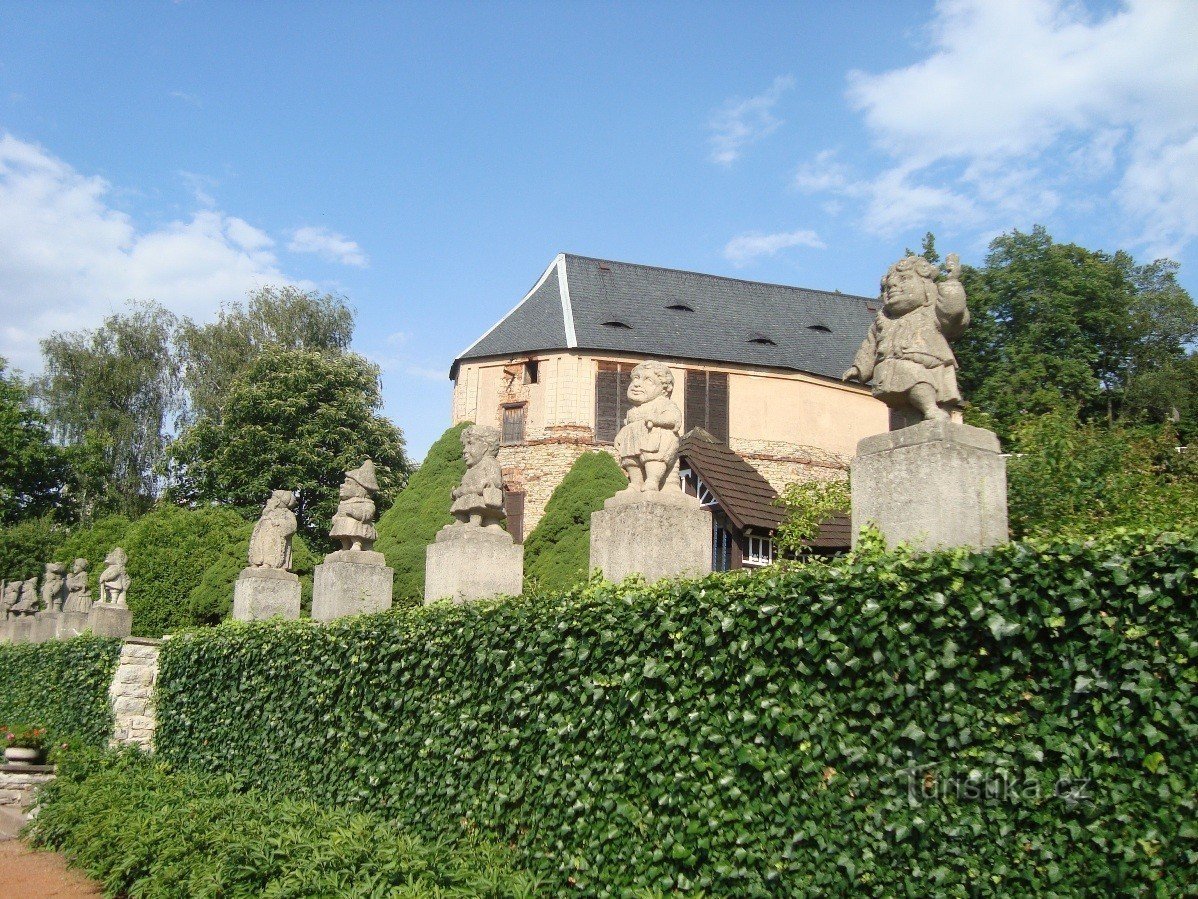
[
  {"x": 211, "y": 600},
  {"x": 61, "y": 685},
  {"x": 808, "y": 505},
  {"x": 26, "y": 546},
  {"x": 294, "y": 419},
  {"x": 557, "y": 552},
  {"x": 419, "y": 512},
  {"x": 1070, "y": 478},
  {"x": 33, "y": 470},
  {"x": 93, "y": 542},
  {"x": 145, "y": 831},
  {"x": 169, "y": 550},
  {"x": 1012, "y": 723}
]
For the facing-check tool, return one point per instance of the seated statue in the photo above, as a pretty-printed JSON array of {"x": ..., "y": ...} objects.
[
  {"x": 114, "y": 580},
  {"x": 270, "y": 543},
  {"x": 647, "y": 445},
  {"x": 353, "y": 523},
  {"x": 478, "y": 500},
  {"x": 907, "y": 352},
  {"x": 78, "y": 598}
]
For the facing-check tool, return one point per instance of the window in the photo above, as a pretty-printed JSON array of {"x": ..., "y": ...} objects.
[
  {"x": 707, "y": 402},
  {"x": 721, "y": 545},
  {"x": 616, "y": 323},
  {"x": 513, "y": 508},
  {"x": 611, "y": 398},
  {"x": 513, "y": 423},
  {"x": 531, "y": 372},
  {"x": 761, "y": 551},
  {"x": 680, "y": 307}
]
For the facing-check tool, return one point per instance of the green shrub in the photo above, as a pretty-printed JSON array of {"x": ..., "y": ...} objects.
[
  {"x": 61, "y": 685},
  {"x": 145, "y": 831},
  {"x": 557, "y": 553},
  {"x": 420, "y": 510},
  {"x": 211, "y": 600},
  {"x": 818, "y": 731},
  {"x": 27, "y": 546},
  {"x": 169, "y": 551}
]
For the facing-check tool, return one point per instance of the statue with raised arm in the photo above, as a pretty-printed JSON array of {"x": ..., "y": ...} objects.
[
  {"x": 353, "y": 523},
  {"x": 270, "y": 543},
  {"x": 478, "y": 499},
  {"x": 78, "y": 597},
  {"x": 907, "y": 352},
  {"x": 114, "y": 580},
  {"x": 647, "y": 444}
]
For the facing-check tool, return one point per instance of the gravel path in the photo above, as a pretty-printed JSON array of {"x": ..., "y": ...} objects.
[{"x": 25, "y": 874}]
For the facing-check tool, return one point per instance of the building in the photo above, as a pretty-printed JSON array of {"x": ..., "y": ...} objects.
[{"x": 755, "y": 365}]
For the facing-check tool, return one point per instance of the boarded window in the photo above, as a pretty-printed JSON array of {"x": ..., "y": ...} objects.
[
  {"x": 707, "y": 402},
  {"x": 513, "y": 508},
  {"x": 513, "y": 423},
  {"x": 611, "y": 399}
]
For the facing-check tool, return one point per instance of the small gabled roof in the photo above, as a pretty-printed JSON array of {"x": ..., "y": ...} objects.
[
  {"x": 745, "y": 496},
  {"x": 598, "y": 304}
]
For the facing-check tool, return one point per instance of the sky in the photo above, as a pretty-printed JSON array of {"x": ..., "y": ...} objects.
[{"x": 428, "y": 160}]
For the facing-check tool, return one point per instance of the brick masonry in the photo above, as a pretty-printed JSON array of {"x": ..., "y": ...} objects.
[{"x": 132, "y": 693}]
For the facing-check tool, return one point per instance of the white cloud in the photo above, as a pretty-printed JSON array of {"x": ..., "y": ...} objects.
[
  {"x": 1019, "y": 108},
  {"x": 328, "y": 245},
  {"x": 742, "y": 122},
  {"x": 745, "y": 248},
  {"x": 68, "y": 257}
]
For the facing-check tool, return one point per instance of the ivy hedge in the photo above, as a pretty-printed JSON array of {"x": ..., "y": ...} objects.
[
  {"x": 61, "y": 685},
  {"x": 1017, "y": 722}
]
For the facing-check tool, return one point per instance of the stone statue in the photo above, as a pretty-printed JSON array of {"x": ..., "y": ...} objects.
[
  {"x": 54, "y": 585},
  {"x": 270, "y": 544},
  {"x": 353, "y": 524},
  {"x": 9, "y": 591},
  {"x": 78, "y": 598},
  {"x": 26, "y": 598},
  {"x": 478, "y": 500},
  {"x": 114, "y": 580},
  {"x": 647, "y": 445},
  {"x": 906, "y": 352}
]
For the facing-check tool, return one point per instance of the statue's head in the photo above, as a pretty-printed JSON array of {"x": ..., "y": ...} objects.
[
  {"x": 649, "y": 381},
  {"x": 478, "y": 442},
  {"x": 116, "y": 556},
  {"x": 80, "y": 565},
  {"x": 55, "y": 569},
  {"x": 281, "y": 499},
  {"x": 909, "y": 284}
]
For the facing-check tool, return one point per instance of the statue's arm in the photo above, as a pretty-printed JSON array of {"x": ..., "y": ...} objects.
[
  {"x": 951, "y": 312},
  {"x": 863, "y": 363}
]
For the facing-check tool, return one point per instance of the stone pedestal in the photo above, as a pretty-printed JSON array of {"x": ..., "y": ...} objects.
[
  {"x": 45, "y": 627},
  {"x": 108, "y": 620},
  {"x": 16, "y": 630},
  {"x": 468, "y": 562},
  {"x": 667, "y": 536},
  {"x": 351, "y": 583},
  {"x": 261, "y": 593},
  {"x": 934, "y": 485},
  {"x": 71, "y": 624}
]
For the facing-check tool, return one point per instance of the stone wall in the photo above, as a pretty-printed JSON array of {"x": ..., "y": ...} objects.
[
  {"x": 536, "y": 468},
  {"x": 19, "y": 784},
  {"x": 132, "y": 693},
  {"x": 783, "y": 463}
]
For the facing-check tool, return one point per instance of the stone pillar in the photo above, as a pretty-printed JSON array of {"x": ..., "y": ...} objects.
[
  {"x": 262, "y": 593},
  {"x": 132, "y": 693},
  {"x": 668, "y": 535},
  {"x": 110, "y": 620},
  {"x": 933, "y": 485},
  {"x": 351, "y": 582},
  {"x": 468, "y": 562},
  {"x": 45, "y": 627},
  {"x": 71, "y": 624}
]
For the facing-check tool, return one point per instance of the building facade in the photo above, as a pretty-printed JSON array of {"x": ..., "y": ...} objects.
[{"x": 755, "y": 365}]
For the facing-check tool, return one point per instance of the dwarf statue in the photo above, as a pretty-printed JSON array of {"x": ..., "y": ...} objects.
[
  {"x": 647, "y": 445},
  {"x": 478, "y": 500},
  {"x": 9, "y": 593},
  {"x": 78, "y": 599},
  {"x": 906, "y": 352},
  {"x": 114, "y": 580},
  {"x": 26, "y": 598},
  {"x": 353, "y": 524},
  {"x": 54, "y": 584},
  {"x": 270, "y": 543}
]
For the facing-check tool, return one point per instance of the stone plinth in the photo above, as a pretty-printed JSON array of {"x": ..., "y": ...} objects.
[
  {"x": 71, "y": 624},
  {"x": 934, "y": 485},
  {"x": 45, "y": 627},
  {"x": 668, "y": 536},
  {"x": 351, "y": 582},
  {"x": 19, "y": 784},
  {"x": 262, "y": 593},
  {"x": 468, "y": 562},
  {"x": 108, "y": 620},
  {"x": 16, "y": 630}
]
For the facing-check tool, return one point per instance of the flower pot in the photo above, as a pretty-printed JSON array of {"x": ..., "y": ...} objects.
[{"x": 19, "y": 755}]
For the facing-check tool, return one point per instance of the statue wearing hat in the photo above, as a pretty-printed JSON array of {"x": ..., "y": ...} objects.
[{"x": 353, "y": 524}]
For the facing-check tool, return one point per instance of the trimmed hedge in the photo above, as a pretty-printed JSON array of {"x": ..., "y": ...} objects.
[
  {"x": 1017, "y": 722},
  {"x": 61, "y": 685}
]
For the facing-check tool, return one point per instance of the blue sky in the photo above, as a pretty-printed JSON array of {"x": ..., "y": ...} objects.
[{"x": 427, "y": 160}]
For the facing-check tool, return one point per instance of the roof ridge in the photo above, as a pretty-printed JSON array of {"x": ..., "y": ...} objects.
[{"x": 685, "y": 271}]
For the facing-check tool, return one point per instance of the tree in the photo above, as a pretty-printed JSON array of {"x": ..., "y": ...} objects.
[
  {"x": 808, "y": 505},
  {"x": 26, "y": 546},
  {"x": 213, "y": 355},
  {"x": 33, "y": 470},
  {"x": 557, "y": 553},
  {"x": 115, "y": 389},
  {"x": 295, "y": 419},
  {"x": 419, "y": 512}
]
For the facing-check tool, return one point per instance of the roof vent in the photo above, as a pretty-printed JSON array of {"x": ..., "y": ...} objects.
[
  {"x": 823, "y": 329},
  {"x": 616, "y": 323},
  {"x": 762, "y": 339},
  {"x": 680, "y": 307},
  {"x": 604, "y": 267}
]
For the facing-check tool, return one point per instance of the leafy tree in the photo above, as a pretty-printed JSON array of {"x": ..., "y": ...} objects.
[
  {"x": 286, "y": 317},
  {"x": 808, "y": 505},
  {"x": 419, "y": 512},
  {"x": 557, "y": 553},
  {"x": 119, "y": 381},
  {"x": 295, "y": 419},
  {"x": 26, "y": 546},
  {"x": 33, "y": 470}
]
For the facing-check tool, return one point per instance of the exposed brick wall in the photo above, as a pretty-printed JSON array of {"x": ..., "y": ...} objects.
[
  {"x": 537, "y": 467},
  {"x": 789, "y": 463}
]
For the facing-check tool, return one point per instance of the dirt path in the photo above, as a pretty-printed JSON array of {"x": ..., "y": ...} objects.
[{"x": 25, "y": 874}]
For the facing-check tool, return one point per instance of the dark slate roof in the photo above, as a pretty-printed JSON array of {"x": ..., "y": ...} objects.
[{"x": 623, "y": 307}]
